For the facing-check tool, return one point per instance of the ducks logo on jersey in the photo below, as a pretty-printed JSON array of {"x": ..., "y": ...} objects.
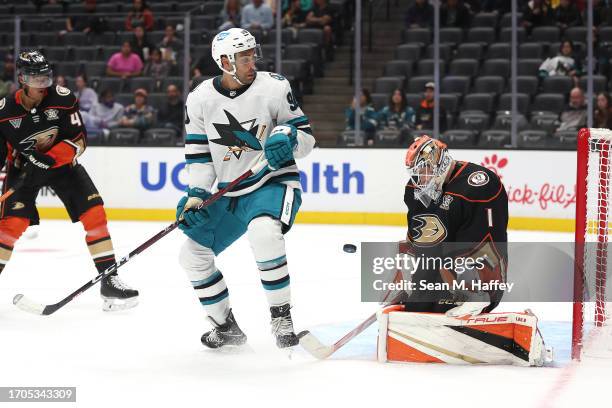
[
  {"x": 236, "y": 137},
  {"x": 429, "y": 230},
  {"x": 41, "y": 141}
]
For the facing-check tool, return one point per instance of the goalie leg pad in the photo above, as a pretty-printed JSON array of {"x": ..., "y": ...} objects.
[
  {"x": 207, "y": 281},
  {"x": 496, "y": 338},
  {"x": 268, "y": 245}
]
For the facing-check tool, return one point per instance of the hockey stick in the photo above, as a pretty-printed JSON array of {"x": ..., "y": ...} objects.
[
  {"x": 28, "y": 305},
  {"x": 319, "y": 350},
  {"x": 10, "y": 191}
]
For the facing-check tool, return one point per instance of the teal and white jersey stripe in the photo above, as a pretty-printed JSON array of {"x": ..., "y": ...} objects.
[{"x": 227, "y": 130}]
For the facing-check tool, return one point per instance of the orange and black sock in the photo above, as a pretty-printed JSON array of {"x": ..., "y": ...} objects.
[
  {"x": 11, "y": 229},
  {"x": 98, "y": 238}
]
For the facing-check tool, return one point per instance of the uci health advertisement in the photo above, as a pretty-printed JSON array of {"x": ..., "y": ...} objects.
[{"x": 339, "y": 185}]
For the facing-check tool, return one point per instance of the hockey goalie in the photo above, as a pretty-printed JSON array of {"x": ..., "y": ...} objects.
[{"x": 456, "y": 211}]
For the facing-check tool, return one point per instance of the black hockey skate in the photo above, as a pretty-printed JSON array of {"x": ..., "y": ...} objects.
[
  {"x": 227, "y": 334},
  {"x": 117, "y": 295},
  {"x": 282, "y": 326}
]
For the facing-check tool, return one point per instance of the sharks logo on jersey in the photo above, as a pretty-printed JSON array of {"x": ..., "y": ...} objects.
[{"x": 237, "y": 137}]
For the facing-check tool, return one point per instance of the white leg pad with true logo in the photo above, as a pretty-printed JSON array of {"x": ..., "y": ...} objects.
[{"x": 493, "y": 338}]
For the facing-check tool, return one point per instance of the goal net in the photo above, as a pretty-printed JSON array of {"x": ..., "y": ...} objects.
[{"x": 592, "y": 320}]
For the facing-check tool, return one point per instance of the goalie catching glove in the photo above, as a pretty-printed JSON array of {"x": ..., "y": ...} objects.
[
  {"x": 187, "y": 213},
  {"x": 280, "y": 145}
]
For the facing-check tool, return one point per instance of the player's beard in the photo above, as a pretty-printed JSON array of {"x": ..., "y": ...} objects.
[{"x": 248, "y": 77}]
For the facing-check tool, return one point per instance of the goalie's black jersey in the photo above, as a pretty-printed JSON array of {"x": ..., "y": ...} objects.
[
  {"x": 468, "y": 220},
  {"x": 473, "y": 207},
  {"x": 54, "y": 127}
]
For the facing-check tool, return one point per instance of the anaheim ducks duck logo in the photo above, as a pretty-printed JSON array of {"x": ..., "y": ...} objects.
[
  {"x": 41, "y": 141},
  {"x": 429, "y": 230}
]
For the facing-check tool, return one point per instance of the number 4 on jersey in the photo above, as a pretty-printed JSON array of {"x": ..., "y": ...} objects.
[{"x": 75, "y": 119}]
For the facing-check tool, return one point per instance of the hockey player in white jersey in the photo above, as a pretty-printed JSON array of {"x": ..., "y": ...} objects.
[{"x": 233, "y": 122}]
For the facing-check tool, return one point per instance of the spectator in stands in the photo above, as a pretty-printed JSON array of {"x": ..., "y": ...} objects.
[
  {"x": 602, "y": 13},
  {"x": 498, "y": 6},
  {"x": 257, "y": 15},
  {"x": 305, "y": 5},
  {"x": 603, "y": 111},
  {"x": 89, "y": 23},
  {"x": 104, "y": 114},
  {"x": 138, "y": 115},
  {"x": 321, "y": 17},
  {"x": 566, "y": 15},
  {"x": 368, "y": 122},
  {"x": 574, "y": 116},
  {"x": 140, "y": 15},
  {"x": 397, "y": 115},
  {"x": 424, "y": 116},
  {"x": 537, "y": 13},
  {"x": 125, "y": 63},
  {"x": 170, "y": 115},
  {"x": 295, "y": 16},
  {"x": 8, "y": 73},
  {"x": 6, "y": 87},
  {"x": 60, "y": 80},
  {"x": 230, "y": 15},
  {"x": 564, "y": 63},
  {"x": 141, "y": 44},
  {"x": 454, "y": 14},
  {"x": 420, "y": 14},
  {"x": 205, "y": 65},
  {"x": 7, "y": 77},
  {"x": 156, "y": 67},
  {"x": 170, "y": 45},
  {"x": 87, "y": 96}
]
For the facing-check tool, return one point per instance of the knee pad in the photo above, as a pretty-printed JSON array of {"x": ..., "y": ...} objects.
[
  {"x": 94, "y": 222},
  {"x": 11, "y": 229},
  {"x": 264, "y": 230},
  {"x": 197, "y": 260}
]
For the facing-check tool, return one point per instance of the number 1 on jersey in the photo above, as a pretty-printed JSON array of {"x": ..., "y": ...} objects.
[{"x": 490, "y": 217}]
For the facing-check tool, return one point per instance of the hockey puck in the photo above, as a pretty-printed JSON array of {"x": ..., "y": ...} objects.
[{"x": 350, "y": 248}]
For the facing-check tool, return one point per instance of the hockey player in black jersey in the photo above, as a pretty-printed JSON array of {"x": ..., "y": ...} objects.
[
  {"x": 43, "y": 132},
  {"x": 459, "y": 209}
]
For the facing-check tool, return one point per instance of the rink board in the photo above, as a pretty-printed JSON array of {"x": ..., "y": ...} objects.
[{"x": 341, "y": 186}]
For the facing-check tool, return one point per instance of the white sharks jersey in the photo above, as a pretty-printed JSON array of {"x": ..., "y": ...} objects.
[{"x": 227, "y": 130}]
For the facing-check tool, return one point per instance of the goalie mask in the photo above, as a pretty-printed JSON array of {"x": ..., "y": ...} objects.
[
  {"x": 34, "y": 70},
  {"x": 230, "y": 42},
  {"x": 428, "y": 163}
]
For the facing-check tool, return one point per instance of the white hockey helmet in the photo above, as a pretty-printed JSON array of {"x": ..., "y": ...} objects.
[{"x": 229, "y": 43}]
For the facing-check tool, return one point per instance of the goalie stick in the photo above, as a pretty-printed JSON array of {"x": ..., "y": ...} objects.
[
  {"x": 319, "y": 350},
  {"x": 28, "y": 305}
]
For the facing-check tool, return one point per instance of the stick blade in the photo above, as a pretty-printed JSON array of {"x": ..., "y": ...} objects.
[
  {"x": 313, "y": 346},
  {"x": 28, "y": 305}
]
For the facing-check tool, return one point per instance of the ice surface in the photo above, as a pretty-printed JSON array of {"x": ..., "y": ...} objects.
[{"x": 151, "y": 356}]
